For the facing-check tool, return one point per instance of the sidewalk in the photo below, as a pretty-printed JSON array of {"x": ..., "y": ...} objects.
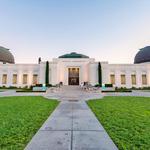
[{"x": 72, "y": 126}]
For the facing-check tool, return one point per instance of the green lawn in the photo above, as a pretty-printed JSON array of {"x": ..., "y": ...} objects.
[
  {"x": 126, "y": 119},
  {"x": 20, "y": 118}
]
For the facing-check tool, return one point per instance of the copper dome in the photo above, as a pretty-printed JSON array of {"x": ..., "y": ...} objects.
[
  {"x": 6, "y": 56},
  {"x": 73, "y": 55}
]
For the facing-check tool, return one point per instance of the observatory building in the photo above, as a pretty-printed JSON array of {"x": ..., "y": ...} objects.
[{"x": 73, "y": 69}]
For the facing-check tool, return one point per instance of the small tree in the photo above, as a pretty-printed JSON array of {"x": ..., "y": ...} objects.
[
  {"x": 99, "y": 74},
  {"x": 47, "y": 73}
]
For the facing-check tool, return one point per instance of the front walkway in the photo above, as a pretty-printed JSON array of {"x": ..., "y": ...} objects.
[{"x": 72, "y": 126}]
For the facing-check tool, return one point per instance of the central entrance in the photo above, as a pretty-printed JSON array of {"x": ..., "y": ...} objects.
[{"x": 73, "y": 76}]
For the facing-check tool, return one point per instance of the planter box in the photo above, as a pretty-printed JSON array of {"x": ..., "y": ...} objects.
[{"x": 39, "y": 89}]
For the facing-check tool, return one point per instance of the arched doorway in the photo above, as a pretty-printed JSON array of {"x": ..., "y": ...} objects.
[{"x": 73, "y": 76}]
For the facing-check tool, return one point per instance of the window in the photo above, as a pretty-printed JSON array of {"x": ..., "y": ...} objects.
[
  {"x": 112, "y": 79},
  {"x": 123, "y": 79},
  {"x": 133, "y": 79},
  {"x": 25, "y": 78},
  {"x": 35, "y": 79},
  {"x": 144, "y": 79},
  {"x": 4, "y": 79},
  {"x": 14, "y": 80}
]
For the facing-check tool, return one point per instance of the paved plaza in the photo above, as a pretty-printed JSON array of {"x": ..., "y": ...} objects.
[{"x": 66, "y": 93}]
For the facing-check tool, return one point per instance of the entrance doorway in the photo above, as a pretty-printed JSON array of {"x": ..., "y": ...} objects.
[{"x": 73, "y": 76}]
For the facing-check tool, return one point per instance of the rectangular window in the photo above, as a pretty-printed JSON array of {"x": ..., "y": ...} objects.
[
  {"x": 14, "y": 80},
  {"x": 25, "y": 78},
  {"x": 144, "y": 79},
  {"x": 112, "y": 79},
  {"x": 133, "y": 79},
  {"x": 35, "y": 79},
  {"x": 123, "y": 79},
  {"x": 4, "y": 79}
]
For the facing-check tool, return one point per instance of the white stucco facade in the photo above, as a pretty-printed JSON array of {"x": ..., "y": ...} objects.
[{"x": 21, "y": 75}]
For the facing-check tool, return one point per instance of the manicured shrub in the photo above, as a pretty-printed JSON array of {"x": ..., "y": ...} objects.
[
  {"x": 49, "y": 85},
  {"x": 47, "y": 73},
  {"x": 39, "y": 85},
  {"x": 99, "y": 74},
  {"x": 97, "y": 85},
  {"x": 108, "y": 85}
]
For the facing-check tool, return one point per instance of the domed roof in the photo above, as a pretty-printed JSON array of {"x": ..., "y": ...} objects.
[
  {"x": 73, "y": 55},
  {"x": 6, "y": 56},
  {"x": 143, "y": 55}
]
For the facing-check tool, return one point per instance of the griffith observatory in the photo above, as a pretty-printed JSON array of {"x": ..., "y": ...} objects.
[{"x": 74, "y": 69}]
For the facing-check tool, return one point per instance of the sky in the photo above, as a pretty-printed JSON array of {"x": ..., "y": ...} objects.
[{"x": 107, "y": 30}]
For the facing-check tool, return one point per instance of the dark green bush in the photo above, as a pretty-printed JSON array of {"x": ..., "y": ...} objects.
[
  {"x": 108, "y": 85},
  {"x": 97, "y": 85},
  {"x": 49, "y": 85},
  {"x": 39, "y": 85}
]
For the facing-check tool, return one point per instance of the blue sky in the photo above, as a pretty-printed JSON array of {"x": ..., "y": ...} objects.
[{"x": 108, "y": 30}]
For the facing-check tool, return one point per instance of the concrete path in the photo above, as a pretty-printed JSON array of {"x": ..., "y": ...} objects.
[{"x": 72, "y": 126}]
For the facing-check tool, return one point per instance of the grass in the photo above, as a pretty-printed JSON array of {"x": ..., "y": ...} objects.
[
  {"x": 126, "y": 119},
  {"x": 20, "y": 118}
]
